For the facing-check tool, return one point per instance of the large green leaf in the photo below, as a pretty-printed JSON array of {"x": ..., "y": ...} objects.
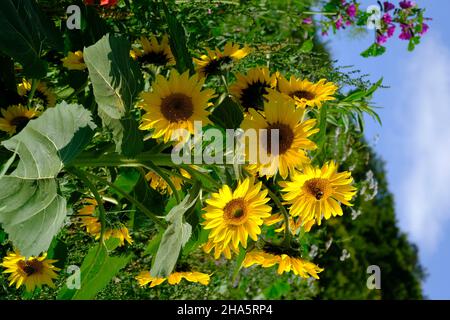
[
  {"x": 31, "y": 211},
  {"x": 97, "y": 270},
  {"x": 25, "y": 33},
  {"x": 178, "y": 41},
  {"x": 116, "y": 80},
  {"x": 174, "y": 238},
  {"x": 227, "y": 114}
]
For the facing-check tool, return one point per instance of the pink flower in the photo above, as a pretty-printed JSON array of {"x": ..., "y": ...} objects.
[
  {"x": 307, "y": 20},
  {"x": 338, "y": 23},
  {"x": 406, "y": 33},
  {"x": 209, "y": 11},
  {"x": 425, "y": 28},
  {"x": 351, "y": 10},
  {"x": 387, "y": 18},
  {"x": 388, "y": 6},
  {"x": 406, "y": 4},
  {"x": 390, "y": 30},
  {"x": 348, "y": 23},
  {"x": 381, "y": 38},
  {"x": 324, "y": 33}
]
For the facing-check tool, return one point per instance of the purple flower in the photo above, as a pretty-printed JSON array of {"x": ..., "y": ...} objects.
[
  {"x": 351, "y": 10},
  {"x": 406, "y": 33},
  {"x": 307, "y": 20},
  {"x": 338, "y": 23},
  {"x": 388, "y": 6},
  {"x": 324, "y": 33},
  {"x": 390, "y": 30},
  {"x": 425, "y": 28},
  {"x": 381, "y": 39},
  {"x": 387, "y": 18},
  {"x": 348, "y": 23},
  {"x": 406, "y": 4}
]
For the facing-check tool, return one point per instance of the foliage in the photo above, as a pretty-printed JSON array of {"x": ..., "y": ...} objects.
[{"x": 89, "y": 147}]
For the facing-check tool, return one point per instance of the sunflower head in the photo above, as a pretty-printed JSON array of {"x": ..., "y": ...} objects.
[
  {"x": 215, "y": 61},
  {"x": 174, "y": 278},
  {"x": 16, "y": 117},
  {"x": 74, "y": 61},
  {"x": 267, "y": 258},
  {"x": 43, "y": 96},
  {"x": 250, "y": 89},
  {"x": 88, "y": 219},
  {"x": 31, "y": 272},
  {"x": 306, "y": 93},
  {"x": 318, "y": 192},
  {"x": 233, "y": 216},
  {"x": 285, "y": 125},
  {"x": 153, "y": 52},
  {"x": 175, "y": 104}
]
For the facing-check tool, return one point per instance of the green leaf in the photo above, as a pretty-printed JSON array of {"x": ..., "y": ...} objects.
[
  {"x": 227, "y": 114},
  {"x": 127, "y": 179},
  {"x": 307, "y": 46},
  {"x": 116, "y": 80},
  {"x": 31, "y": 211},
  {"x": 178, "y": 42},
  {"x": 47, "y": 143},
  {"x": 58, "y": 251},
  {"x": 25, "y": 33},
  {"x": 174, "y": 238},
  {"x": 97, "y": 270},
  {"x": 373, "y": 51}
]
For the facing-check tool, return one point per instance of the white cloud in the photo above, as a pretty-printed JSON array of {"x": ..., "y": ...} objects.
[{"x": 424, "y": 198}]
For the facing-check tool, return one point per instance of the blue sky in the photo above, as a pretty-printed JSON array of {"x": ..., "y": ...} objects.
[{"x": 414, "y": 139}]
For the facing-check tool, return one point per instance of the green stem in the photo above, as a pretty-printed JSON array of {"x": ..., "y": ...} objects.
[
  {"x": 287, "y": 229},
  {"x": 110, "y": 160},
  {"x": 138, "y": 204},
  {"x": 34, "y": 84},
  {"x": 83, "y": 177}
]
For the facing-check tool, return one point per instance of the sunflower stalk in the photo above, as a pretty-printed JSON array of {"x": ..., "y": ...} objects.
[
  {"x": 287, "y": 229},
  {"x": 138, "y": 204},
  {"x": 83, "y": 176}
]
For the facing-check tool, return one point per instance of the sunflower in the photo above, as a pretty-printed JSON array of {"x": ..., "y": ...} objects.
[
  {"x": 306, "y": 93},
  {"x": 159, "y": 184},
  {"x": 219, "y": 249},
  {"x": 251, "y": 88},
  {"x": 15, "y": 118},
  {"x": 155, "y": 53},
  {"x": 317, "y": 192},
  {"x": 294, "y": 224},
  {"x": 175, "y": 278},
  {"x": 32, "y": 272},
  {"x": 93, "y": 226},
  {"x": 286, "y": 263},
  {"x": 233, "y": 216},
  {"x": 74, "y": 61},
  {"x": 43, "y": 95},
  {"x": 216, "y": 61},
  {"x": 175, "y": 104},
  {"x": 293, "y": 132}
]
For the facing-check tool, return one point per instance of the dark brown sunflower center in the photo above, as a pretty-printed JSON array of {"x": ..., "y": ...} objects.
[
  {"x": 318, "y": 188},
  {"x": 302, "y": 94},
  {"x": 285, "y": 136},
  {"x": 158, "y": 58},
  {"x": 31, "y": 266},
  {"x": 177, "y": 107},
  {"x": 41, "y": 97},
  {"x": 216, "y": 66},
  {"x": 253, "y": 95},
  {"x": 20, "y": 122},
  {"x": 235, "y": 211}
]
